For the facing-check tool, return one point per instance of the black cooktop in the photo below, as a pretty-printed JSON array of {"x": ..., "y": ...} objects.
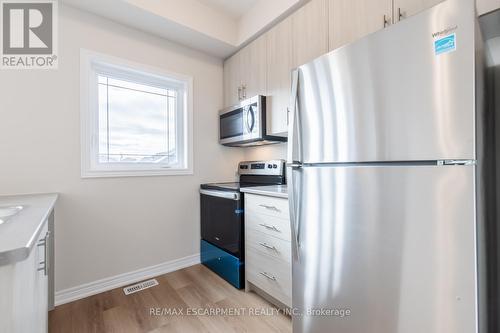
[{"x": 256, "y": 173}]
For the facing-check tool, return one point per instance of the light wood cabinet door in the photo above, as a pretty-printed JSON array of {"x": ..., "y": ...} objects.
[
  {"x": 253, "y": 68},
  {"x": 486, "y": 6},
  {"x": 232, "y": 80},
  {"x": 350, "y": 20},
  {"x": 310, "y": 32},
  {"x": 406, "y": 8},
  {"x": 279, "y": 67}
]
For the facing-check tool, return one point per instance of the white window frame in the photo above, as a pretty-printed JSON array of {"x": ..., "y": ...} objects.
[{"x": 92, "y": 64}]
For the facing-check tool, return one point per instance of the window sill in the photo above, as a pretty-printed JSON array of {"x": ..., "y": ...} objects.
[{"x": 135, "y": 173}]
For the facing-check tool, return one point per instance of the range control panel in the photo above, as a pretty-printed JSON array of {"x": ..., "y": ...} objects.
[{"x": 271, "y": 168}]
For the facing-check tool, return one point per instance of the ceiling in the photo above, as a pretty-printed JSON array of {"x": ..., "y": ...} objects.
[
  {"x": 233, "y": 8},
  {"x": 216, "y": 27}
]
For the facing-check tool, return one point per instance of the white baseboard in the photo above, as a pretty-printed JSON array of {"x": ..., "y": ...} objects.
[{"x": 99, "y": 286}]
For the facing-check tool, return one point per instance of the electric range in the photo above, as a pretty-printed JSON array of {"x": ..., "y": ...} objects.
[{"x": 222, "y": 217}]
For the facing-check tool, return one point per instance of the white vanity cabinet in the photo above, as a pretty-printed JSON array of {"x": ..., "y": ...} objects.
[
  {"x": 268, "y": 247},
  {"x": 24, "y": 290}
]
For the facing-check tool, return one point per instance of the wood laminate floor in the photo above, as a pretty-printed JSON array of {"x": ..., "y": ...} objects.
[{"x": 212, "y": 303}]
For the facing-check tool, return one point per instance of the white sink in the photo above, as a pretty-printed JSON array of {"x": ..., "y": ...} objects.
[{"x": 7, "y": 212}]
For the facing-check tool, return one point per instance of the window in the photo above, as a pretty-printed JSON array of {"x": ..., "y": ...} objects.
[{"x": 136, "y": 121}]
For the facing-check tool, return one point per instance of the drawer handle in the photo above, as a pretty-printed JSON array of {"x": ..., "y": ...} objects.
[
  {"x": 270, "y": 227},
  {"x": 269, "y": 276},
  {"x": 268, "y": 247},
  {"x": 270, "y": 208}
]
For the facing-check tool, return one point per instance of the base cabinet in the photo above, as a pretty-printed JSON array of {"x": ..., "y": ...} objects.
[
  {"x": 268, "y": 247},
  {"x": 24, "y": 291}
]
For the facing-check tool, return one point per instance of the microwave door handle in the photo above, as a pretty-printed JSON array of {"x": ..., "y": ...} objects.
[
  {"x": 252, "y": 113},
  {"x": 250, "y": 119}
]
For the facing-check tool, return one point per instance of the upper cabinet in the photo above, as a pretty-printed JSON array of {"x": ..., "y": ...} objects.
[
  {"x": 352, "y": 19},
  {"x": 232, "y": 80},
  {"x": 253, "y": 68},
  {"x": 310, "y": 32},
  {"x": 295, "y": 41},
  {"x": 486, "y": 6},
  {"x": 245, "y": 73},
  {"x": 406, "y": 8},
  {"x": 264, "y": 66},
  {"x": 279, "y": 68}
]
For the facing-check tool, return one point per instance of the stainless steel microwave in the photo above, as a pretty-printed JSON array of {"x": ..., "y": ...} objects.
[{"x": 244, "y": 124}]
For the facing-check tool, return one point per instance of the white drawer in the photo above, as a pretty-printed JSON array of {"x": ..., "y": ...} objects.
[
  {"x": 269, "y": 274},
  {"x": 277, "y": 207},
  {"x": 269, "y": 225},
  {"x": 270, "y": 245}
]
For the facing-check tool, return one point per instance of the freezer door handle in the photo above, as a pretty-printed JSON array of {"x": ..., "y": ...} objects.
[{"x": 294, "y": 138}]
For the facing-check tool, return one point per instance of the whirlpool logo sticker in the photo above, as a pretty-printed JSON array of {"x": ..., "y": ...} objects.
[
  {"x": 29, "y": 34},
  {"x": 445, "y": 45}
]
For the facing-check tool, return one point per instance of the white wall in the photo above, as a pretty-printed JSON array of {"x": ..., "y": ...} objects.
[
  {"x": 195, "y": 15},
  {"x": 277, "y": 151},
  {"x": 262, "y": 15},
  {"x": 150, "y": 16},
  {"x": 105, "y": 227}
]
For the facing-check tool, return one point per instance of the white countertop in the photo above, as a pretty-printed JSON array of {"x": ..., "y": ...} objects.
[
  {"x": 279, "y": 191},
  {"x": 19, "y": 233}
]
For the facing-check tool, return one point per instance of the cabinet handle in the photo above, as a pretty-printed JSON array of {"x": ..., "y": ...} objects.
[
  {"x": 244, "y": 89},
  {"x": 45, "y": 263},
  {"x": 288, "y": 116},
  {"x": 400, "y": 14},
  {"x": 269, "y": 276},
  {"x": 239, "y": 93},
  {"x": 270, "y": 227},
  {"x": 47, "y": 253},
  {"x": 268, "y": 247},
  {"x": 270, "y": 208},
  {"x": 387, "y": 21}
]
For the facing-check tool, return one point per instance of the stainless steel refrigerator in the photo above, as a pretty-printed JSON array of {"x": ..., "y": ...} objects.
[{"x": 387, "y": 165}]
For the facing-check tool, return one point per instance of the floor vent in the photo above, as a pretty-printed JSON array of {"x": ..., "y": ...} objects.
[{"x": 140, "y": 286}]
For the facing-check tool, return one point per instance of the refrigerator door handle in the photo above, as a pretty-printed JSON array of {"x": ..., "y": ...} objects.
[
  {"x": 294, "y": 163},
  {"x": 293, "y": 199}
]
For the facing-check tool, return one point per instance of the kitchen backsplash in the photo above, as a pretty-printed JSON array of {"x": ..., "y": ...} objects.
[{"x": 276, "y": 151}]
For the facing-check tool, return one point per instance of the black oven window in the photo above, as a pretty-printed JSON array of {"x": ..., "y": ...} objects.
[{"x": 231, "y": 124}]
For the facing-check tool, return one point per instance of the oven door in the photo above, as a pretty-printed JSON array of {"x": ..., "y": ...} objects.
[{"x": 222, "y": 220}]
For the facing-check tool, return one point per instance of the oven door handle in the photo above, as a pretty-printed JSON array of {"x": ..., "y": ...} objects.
[{"x": 222, "y": 194}]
